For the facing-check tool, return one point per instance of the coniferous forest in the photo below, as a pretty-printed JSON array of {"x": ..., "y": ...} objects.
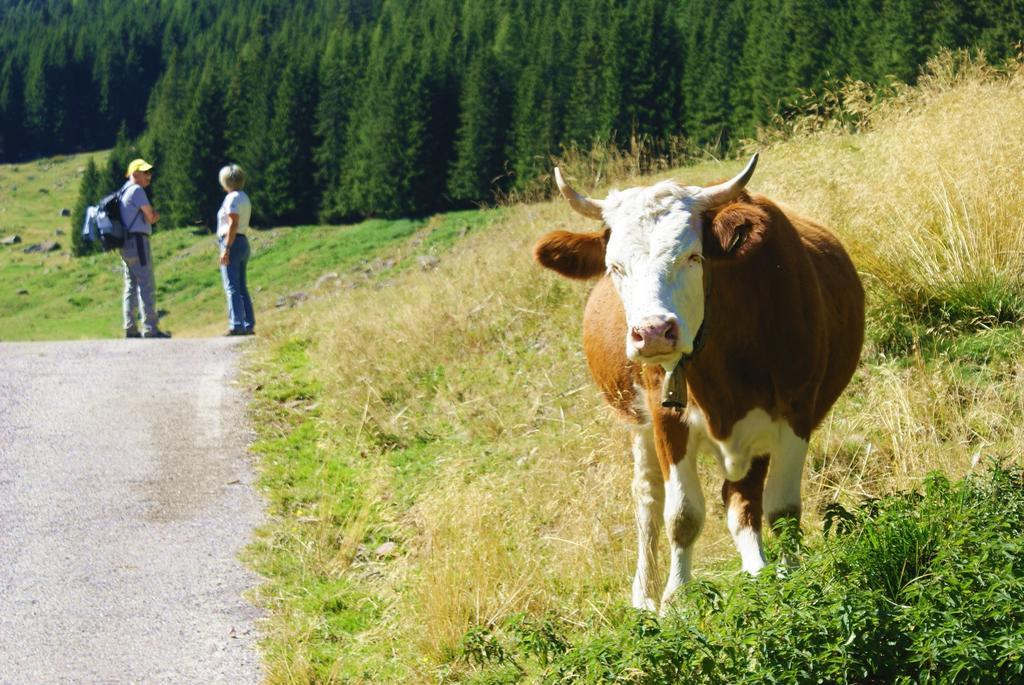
[{"x": 343, "y": 109}]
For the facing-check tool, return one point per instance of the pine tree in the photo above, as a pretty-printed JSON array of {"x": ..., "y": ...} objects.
[
  {"x": 196, "y": 155},
  {"x": 167, "y": 108},
  {"x": 899, "y": 47},
  {"x": 764, "y": 60},
  {"x": 248, "y": 102},
  {"x": 117, "y": 161},
  {"x": 384, "y": 161},
  {"x": 649, "y": 46},
  {"x": 12, "y": 133},
  {"x": 538, "y": 115},
  {"x": 809, "y": 39},
  {"x": 89, "y": 191},
  {"x": 396, "y": 120},
  {"x": 339, "y": 83},
  {"x": 480, "y": 141},
  {"x": 996, "y": 26},
  {"x": 37, "y": 96},
  {"x": 705, "y": 80},
  {"x": 288, "y": 190},
  {"x": 592, "y": 111}
]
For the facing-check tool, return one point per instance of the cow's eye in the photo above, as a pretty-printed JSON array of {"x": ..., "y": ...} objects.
[
  {"x": 695, "y": 259},
  {"x": 616, "y": 269}
]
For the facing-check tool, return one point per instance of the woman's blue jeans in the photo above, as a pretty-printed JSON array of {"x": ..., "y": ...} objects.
[{"x": 240, "y": 314}]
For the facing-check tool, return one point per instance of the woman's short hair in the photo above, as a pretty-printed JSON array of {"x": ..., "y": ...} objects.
[{"x": 232, "y": 177}]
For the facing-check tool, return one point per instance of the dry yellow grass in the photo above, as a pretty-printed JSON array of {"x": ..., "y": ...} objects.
[
  {"x": 527, "y": 505},
  {"x": 930, "y": 194}
]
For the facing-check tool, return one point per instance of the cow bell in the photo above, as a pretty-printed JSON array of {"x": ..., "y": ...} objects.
[{"x": 673, "y": 389}]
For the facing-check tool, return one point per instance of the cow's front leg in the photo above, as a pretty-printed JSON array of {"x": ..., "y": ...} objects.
[
  {"x": 684, "y": 519},
  {"x": 649, "y": 500},
  {"x": 782, "y": 490},
  {"x": 684, "y": 501},
  {"x": 743, "y": 508}
]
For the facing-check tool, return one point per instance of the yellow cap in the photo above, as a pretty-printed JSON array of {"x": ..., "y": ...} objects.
[{"x": 138, "y": 165}]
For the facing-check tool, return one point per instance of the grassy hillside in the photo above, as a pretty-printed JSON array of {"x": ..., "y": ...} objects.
[
  {"x": 52, "y": 296},
  {"x": 451, "y": 501}
]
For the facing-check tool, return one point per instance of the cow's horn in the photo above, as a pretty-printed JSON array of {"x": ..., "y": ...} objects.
[
  {"x": 581, "y": 203},
  {"x": 716, "y": 196}
]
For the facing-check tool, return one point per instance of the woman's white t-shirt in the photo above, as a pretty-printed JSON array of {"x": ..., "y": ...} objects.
[{"x": 235, "y": 202}]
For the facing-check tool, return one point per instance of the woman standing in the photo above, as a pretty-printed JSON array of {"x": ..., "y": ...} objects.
[{"x": 232, "y": 225}]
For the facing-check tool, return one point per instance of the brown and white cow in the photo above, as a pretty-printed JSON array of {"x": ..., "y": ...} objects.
[{"x": 760, "y": 311}]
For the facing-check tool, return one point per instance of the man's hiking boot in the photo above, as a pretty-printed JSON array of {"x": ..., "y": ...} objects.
[
  {"x": 156, "y": 333},
  {"x": 132, "y": 334}
]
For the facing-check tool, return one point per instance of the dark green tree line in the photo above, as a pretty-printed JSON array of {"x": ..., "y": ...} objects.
[{"x": 341, "y": 109}]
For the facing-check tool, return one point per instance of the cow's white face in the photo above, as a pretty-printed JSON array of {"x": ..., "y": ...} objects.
[
  {"x": 655, "y": 259},
  {"x": 654, "y": 255}
]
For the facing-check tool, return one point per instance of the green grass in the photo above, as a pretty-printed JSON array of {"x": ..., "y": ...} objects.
[
  {"x": 919, "y": 587},
  {"x": 54, "y": 296},
  {"x": 448, "y": 416},
  {"x": 318, "y": 551},
  {"x": 33, "y": 194},
  {"x": 937, "y": 320}
]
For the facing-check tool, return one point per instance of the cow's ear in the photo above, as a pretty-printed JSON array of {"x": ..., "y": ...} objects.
[
  {"x": 734, "y": 231},
  {"x": 576, "y": 255}
]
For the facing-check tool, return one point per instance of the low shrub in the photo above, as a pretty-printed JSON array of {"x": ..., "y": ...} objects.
[{"x": 919, "y": 587}]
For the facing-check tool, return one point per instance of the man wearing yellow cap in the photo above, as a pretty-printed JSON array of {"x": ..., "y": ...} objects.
[{"x": 138, "y": 217}]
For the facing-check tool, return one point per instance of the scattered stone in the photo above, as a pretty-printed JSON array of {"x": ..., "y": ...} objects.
[
  {"x": 328, "y": 278},
  {"x": 65, "y": 212},
  {"x": 23, "y": 292},
  {"x": 48, "y": 246},
  {"x": 378, "y": 265},
  {"x": 11, "y": 240},
  {"x": 292, "y": 300},
  {"x": 428, "y": 262},
  {"x": 58, "y": 231},
  {"x": 386, "y": 550}
]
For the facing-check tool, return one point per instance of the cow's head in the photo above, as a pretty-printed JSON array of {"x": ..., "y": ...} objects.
[{"x": 654, "y": 246}]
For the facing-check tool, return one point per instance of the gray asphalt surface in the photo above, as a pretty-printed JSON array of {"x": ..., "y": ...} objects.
[{"x": 126, "y": 493}]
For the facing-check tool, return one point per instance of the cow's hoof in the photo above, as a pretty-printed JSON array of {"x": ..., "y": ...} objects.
[{"x": 645, "y": 604}]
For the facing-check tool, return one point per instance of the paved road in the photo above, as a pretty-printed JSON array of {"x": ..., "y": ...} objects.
[{"x": 125, "y": 496}]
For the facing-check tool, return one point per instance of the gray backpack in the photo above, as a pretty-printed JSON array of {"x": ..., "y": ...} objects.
[{"x": 103, "y": 222}]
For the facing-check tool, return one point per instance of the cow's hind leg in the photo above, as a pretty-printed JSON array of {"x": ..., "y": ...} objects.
[
  {"x": 649, "y": 500},
  {"x": 782, "y": 490},
  {"x": 743, "y": 507}
]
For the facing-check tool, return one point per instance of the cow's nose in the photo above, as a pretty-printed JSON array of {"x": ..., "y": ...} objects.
[{"x": 655, "y": 336}]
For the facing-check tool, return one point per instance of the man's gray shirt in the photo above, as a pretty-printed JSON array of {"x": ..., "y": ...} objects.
[{"x": 133, "y": 199}]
